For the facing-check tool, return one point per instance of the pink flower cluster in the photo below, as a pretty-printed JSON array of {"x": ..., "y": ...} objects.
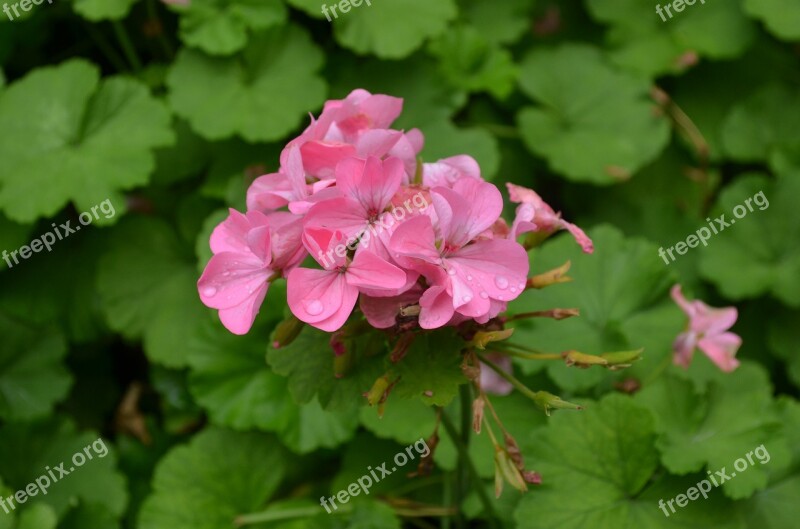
[{"x": 336, "y": 199}]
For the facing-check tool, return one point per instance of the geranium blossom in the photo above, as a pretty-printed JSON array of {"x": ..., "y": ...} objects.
[{"x": 707, "y": 329}]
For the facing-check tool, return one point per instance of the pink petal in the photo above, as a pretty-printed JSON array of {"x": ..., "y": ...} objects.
[
  {"x": 372, "y": 183},
  {"x": 342, "y": 214},
  {"x": 321, "y": 158},
  {"x": 721, "y": 349},
  {"x": 414, "y": 238},
  {"x": 497, "y": 267},
  {"x": 370, "y": 271},
  {"x": 382, "y": 313},
  {"x": 449, "y": 170},
  {"x": 231, "y": 234},
  {"x": 231, "y": 278},
  {"x": 677, "y": 297},
  {"x": 323, "y": 244},
  {"x": 239, "y": 319},
  {"x": 377, "y": 142},
  {"x": 711, "y": 321},
  {"x": 580, "y": 237},
  {"x": 320, "y": 298},
  {"x": 436, "y": 308},
  {"x": 269, "y": 192},
  {"x": 465, "y": 211},
  {"x": 683, "y": 349}
]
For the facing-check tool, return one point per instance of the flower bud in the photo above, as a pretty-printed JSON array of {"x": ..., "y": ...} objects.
[
  {"x": 506, "y": 470},
  {"x": 551, "y": 277},
  {"x": 583, "y": 361},
  {"x": 622, "y": 359},
  {"x": 379, "y": 389},
  {"x": 286, "y": 332},
  {"x": 547, "y": 401},
  {"x": 477, "y": 414},
  {"x": 483, "y": 338}
]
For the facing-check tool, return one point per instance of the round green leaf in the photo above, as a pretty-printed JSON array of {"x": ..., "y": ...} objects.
[
  {"x": 97, "y": 137},
  {"x": 589, "y": 107},
  {"x": 261, "y": 95}
]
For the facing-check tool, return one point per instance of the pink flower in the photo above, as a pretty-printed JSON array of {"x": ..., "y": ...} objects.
[
  {"x": 356, "y": 126},
  {"x": 235, "y": 280},
  {"x": 706, "y": 330},
  {"x": 490, "y": 381},
  {"x": 534, "y": 214},
  {"x": 448, "y": 171},
  {"x": 325, "y": 298},
  {"x": 471, "y": 277}
]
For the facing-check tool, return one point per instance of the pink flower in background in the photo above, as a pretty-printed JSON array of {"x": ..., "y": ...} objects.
[
  {"x": 534, "y": 214},
  {"x": 235, "y": 280},
  {"x": 490, "y": 381},
  {"x": 707, "y": 330}
]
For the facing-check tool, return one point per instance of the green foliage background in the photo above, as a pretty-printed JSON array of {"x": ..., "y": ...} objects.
[{"x": 634, "y": 127}]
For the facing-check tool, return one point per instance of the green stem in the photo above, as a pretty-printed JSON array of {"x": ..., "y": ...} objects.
[
  {"x": 274, "y": 516},
  {"x": 152, "y": 12},
  {"x": 531, "y": 350},
  {"x": 465, "y": 405},
  {"x": 528, "y": 356},
  {"x": 660, "y": 369},
  {"x": 127, "y": 45},
  {"x": 522, "y": 388},
  {"x": 103, "y": 45},
  {"x": 463, "y": 453}
]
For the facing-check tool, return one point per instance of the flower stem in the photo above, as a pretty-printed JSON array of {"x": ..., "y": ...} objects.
[
  {"x": 522, "y": 388},
  {"x": 127, "y": 45},
  {"x": 463, "y": 453},
  {"x": 288, "y": 514},
  {"x": 528, "y": 356}
]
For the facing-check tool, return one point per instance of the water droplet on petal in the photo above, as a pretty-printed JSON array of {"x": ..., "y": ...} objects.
[
  {"x": 513, "y": 290},
  {"x": 314, "y": 307},
  {"x": 209, "y": 292},
  {"x": 467, "y": 298},
  {"x": 484, "y": 294},
  {"x": 522, "y": 286},
  {"x": 501, "y": 282},
  {"x": 451, "y": 272},
  {"x": 469, "y": 278},
  {"x": 226, "y": 273}
]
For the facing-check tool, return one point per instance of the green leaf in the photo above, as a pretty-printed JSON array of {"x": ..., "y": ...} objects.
[
  {"x": 33, "y": 377},
  {"x": 471, "y": 63},
  {"x": 711, "y": 431},
  {"x": 209, "y": 482},
  {"x": 262, "y": 94},
  {"x": 620, "y": 291},
  {"x": 762, "y": 243},
  {"x": 499, "y": 22},
  {"x": 783, "y": 337},
  {"x": 782, "y": 17},
  {"x": 646, "y": 43},
  {"x": 765, "y": 126},
  {"x": 187, "y": 158},
  {"x": 221, "y": 28},
  {"x": 588, "y": 106},
  {"x": 308, "y": 364},
  {"x": 392, "y": 30},
  {"x": 431, "y": 369},
  {"x": 96, "y": 136},
  {"x": 310, "y": 7},
  {"x": 38, "y": 516},
  {"x": 148, "y": 289},
  {"x": 27, "y": 450},
  {"x": 596, "y": 466},
  {"x": 97, "y": 10}
]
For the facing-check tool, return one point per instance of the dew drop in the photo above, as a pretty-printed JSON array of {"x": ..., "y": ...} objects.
[
  {"x": 314, "y": 307},
  {"x": 522, "y": 286},
  {"x": 209, "y": 292},
  {"x": 451, "y": 272},
  {"x": 467, "y": 298},
  {"x": 501, "y": 282},
  {"x": 513, "y": 290},
  {"x": 469, "y": 278},
  {"x": 484, "y": 294}
]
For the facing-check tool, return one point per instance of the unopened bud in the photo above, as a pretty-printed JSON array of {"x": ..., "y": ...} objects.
[
  {"x": 547, "y": 401},
  {"x": 377, "y": 393},
  {"x": 477, "y": 414},
  {"x": 622, "y": 359},
  {"x": 286, "y": 331},
  {"x": 506, "y": 470},
  {"x": 483, "y": 338},
  {"x": 551, "y": 277},
  {"x": 531, "y": 477},
  {"x": 583, "y": 361}
]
